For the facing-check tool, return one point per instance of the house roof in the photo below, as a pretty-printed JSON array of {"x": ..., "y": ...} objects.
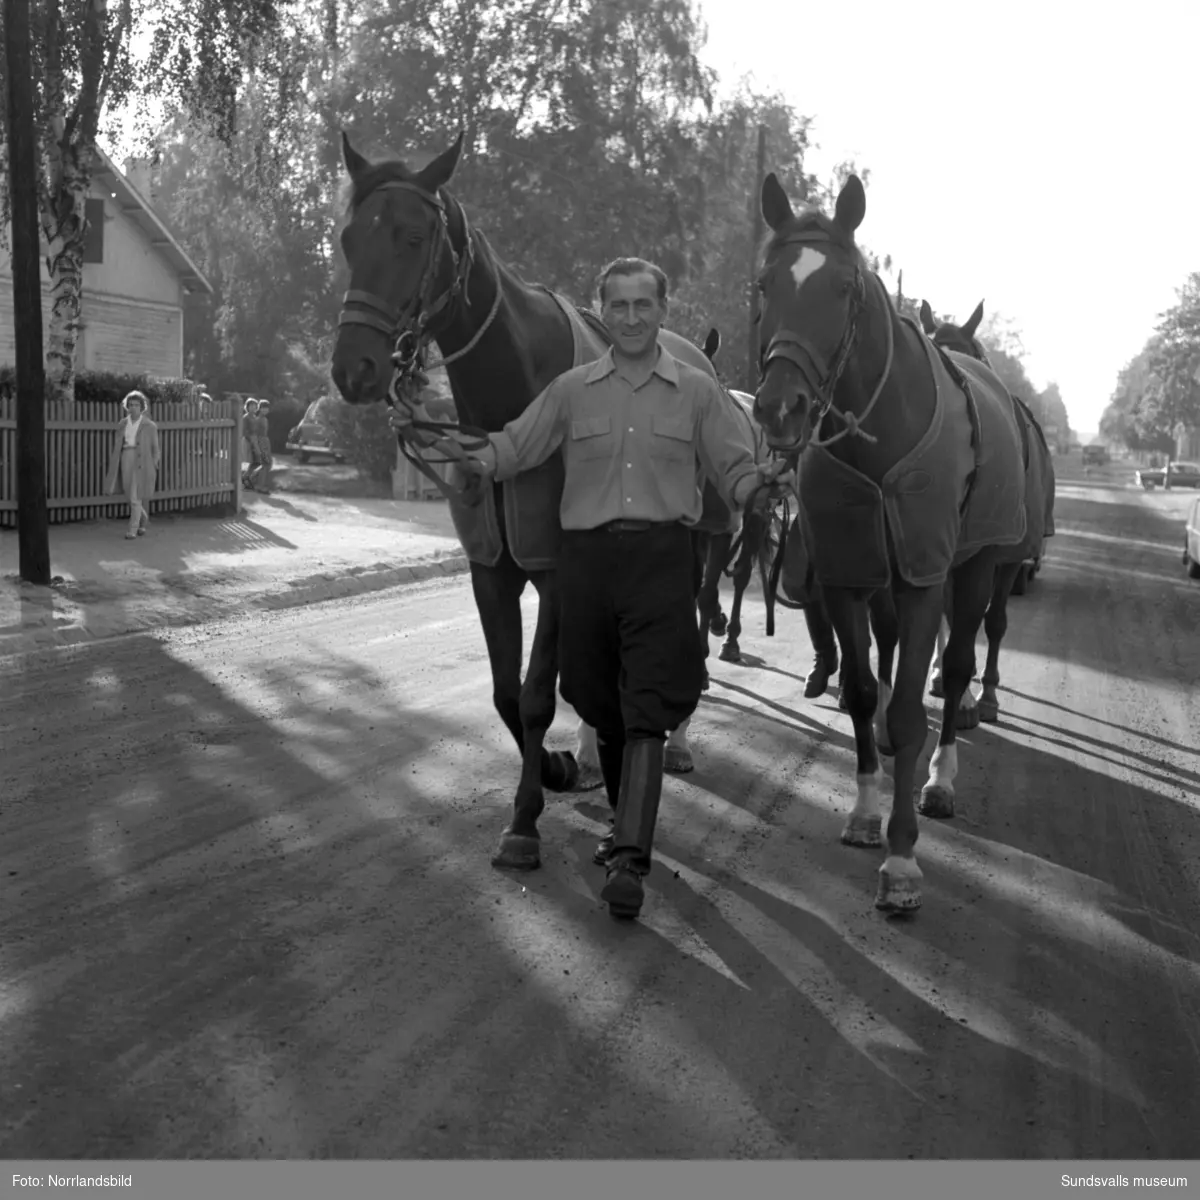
[{"x": 137, "y": 208}]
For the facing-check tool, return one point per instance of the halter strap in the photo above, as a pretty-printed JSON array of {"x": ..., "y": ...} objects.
[{"x": 795, "y": 349}]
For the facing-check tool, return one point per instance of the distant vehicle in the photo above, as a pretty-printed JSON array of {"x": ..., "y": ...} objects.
[
  {"x": 1095, "y": 456},
  {"x": 1191, "y": 542},
  {"x": 314, "y": 436},
  {"x": 1181, "y": 475}
]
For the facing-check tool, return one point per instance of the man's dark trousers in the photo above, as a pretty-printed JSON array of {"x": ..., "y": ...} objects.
[{"x": 630, "y": 663}]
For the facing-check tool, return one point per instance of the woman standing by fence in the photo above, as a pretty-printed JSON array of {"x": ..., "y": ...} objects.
[
  {"x": 249, "y": 449},
  {"x": 135, "y": 458}
]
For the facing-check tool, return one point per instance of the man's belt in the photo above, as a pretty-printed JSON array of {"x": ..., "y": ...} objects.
[{"x": 633, "y": 526}]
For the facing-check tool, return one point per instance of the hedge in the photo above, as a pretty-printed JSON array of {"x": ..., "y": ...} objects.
[{"x": 111, "y": 387}]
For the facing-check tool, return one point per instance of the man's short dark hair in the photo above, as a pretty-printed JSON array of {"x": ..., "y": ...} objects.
[{"x": 632, "y": 266}]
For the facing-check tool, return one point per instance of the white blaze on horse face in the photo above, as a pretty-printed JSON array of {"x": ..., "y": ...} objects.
[{"x": 809, "y": 262}]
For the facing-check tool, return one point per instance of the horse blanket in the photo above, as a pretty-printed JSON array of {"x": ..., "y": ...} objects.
[
  {"x": 961, "y": 488},
  {"x": 531, "y": 500}
]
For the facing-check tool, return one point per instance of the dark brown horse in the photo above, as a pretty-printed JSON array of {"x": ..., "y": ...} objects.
[
  {"x": 1017, "y": 564},
  {"x": 422, "y": 274},
  {"x": 909, "y": 476}
]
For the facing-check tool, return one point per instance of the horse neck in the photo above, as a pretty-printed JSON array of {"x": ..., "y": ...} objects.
[
  {"x": 517, "y": 355},
  {"x": 904, "y": 407}
]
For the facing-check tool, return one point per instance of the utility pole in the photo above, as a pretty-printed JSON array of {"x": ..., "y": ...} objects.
[
  {"x": 33, "y": 525},
  {"x": 752, "y": 350}
]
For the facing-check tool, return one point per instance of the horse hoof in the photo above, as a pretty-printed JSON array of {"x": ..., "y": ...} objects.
[
  {"x": 966, "y": 718},
  {"x": 678, "y": 760},
  {"x": 989, "y": 710},
  {"x": 816, "y": 683},
  {"x": 897, "y": 894},
  {"x": 518, "y": 852},
  {"x": 588, "y": 779},
  {"x": 936, "y": 801},
  {"x": 561, "y": 771},
  {"x": 719, "y": 624},
  {"x": 935, "y": 688},
  {"x": 730, "y": 652},
  {"x": 862, "y": 831},
  {"x": 604, "y": 849}
]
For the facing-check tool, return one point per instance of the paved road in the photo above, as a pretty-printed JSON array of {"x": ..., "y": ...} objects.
[{"x": 248, "y": 909}]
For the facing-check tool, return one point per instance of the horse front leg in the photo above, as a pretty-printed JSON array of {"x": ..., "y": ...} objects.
[
  {"x": 520, "y": 842},
  {"x": 885, "y": 628},
  {"x": 708, "y": 602},
  {"x": 754, "y": 532},
  {"x": 918, "y": 611},
  {"x": 587, "y": 758},
  {"x": 972, "y": 588},
  {"x": 847, "y": 611},
  {"x": 995, "y": 625}
]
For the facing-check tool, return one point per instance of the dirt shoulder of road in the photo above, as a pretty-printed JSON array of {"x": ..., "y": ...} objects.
[{"x": 281, "y": 551}]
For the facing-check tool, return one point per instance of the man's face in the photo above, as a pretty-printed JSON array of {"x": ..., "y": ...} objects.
[{"x": 633, "y": 312}]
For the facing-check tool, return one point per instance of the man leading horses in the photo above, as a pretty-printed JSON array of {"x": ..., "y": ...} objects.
[{"x": 634, "y": 427}]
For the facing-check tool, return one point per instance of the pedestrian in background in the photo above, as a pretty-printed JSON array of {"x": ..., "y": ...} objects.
[
  {"x": 261, "y": 474},
  {"x": 249, "y": 450},
  {"x": 135, "y": 459}
]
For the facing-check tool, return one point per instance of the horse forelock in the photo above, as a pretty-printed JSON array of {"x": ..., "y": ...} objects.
[
  {"x": 389, "y": 170},
  {"x": 810, "y": 221}
]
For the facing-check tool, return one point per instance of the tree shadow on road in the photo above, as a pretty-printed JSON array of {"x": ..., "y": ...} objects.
[{"x": 1044, "y": 968}]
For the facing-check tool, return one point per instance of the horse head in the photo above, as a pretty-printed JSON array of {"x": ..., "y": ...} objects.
[
  {"x": 813, "y": 289},
  {"x": 959, "y": 338},
  {"x": 405, "y": 273}
]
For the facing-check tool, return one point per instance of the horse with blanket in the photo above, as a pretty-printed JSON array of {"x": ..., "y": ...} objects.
[
  {"x": 911, "y": 480},
  {"x": 1039, "y": 524}
]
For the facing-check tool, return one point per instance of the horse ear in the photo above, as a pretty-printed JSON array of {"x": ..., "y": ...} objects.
[
  {"x": 438, "y": 173},
  {"x": 927, "y": 321},
  {"x": 355, "y": 163},
  {"x": 851, "y": 205},
  {"x": 973, "y": 324},
  {"x": 776, "y": 208},
  {"x": 712, "y": 344}
]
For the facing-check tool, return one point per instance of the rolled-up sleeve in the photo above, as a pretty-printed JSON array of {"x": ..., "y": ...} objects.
[
  {"x": 725, "y": 449},
  {"x": 528, "y": 440}
]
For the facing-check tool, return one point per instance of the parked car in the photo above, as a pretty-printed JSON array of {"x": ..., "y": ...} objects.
[
  {"x": 1181, "y": 475},
  {"x": 1095, "y": 456},
  {"x": 315, "y": 436},
  {"x": 1191, "y": 542}
]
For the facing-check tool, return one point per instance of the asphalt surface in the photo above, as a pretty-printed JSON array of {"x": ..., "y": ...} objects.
[{"x": 248, "y": 909}]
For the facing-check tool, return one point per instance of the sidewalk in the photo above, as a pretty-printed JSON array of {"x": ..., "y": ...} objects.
[{"x": 281, "y": 551}]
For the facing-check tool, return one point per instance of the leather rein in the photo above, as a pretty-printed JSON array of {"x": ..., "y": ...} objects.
[{"x": 411, "y": 329}]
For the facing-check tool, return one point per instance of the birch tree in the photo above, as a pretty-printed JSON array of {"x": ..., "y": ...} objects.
[{"x": 86, "y": 69}]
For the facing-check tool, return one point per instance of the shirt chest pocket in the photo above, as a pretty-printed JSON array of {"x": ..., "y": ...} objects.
[
  {"x": 671, "y": 438},
  {"x": 592, "y": 438}
]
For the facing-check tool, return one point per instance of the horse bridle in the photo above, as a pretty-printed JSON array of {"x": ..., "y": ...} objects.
[
  {"x": 798, "y": 350},
  {"x": 411, "y": 327}
]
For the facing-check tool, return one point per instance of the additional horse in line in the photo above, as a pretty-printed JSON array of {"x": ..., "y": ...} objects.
[
  {"x": 422, "y": 274},
  {"x": 910, "y": 475},
  {"x": 1039, "y": 523},
  {"x": 733, "y": 547}
]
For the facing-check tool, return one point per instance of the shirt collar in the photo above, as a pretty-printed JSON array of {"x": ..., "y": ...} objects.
[{"x": 665, "y": 367}]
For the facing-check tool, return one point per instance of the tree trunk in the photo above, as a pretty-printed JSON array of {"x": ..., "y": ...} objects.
[
  {"x": 66, "y": 291},
  {"x": 33, "y": 533}
]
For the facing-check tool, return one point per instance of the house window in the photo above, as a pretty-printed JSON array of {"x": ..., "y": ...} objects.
[{"x": 93, "y": 243}]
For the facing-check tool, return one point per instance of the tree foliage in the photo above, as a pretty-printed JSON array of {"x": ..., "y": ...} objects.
[{"x": 1157, "y": 391}]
